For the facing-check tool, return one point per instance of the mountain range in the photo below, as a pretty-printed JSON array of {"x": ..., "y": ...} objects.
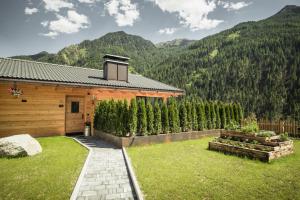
[{"x": 254, "y": 63}]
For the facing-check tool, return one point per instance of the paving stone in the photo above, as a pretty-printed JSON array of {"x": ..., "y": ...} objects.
[{"x": 106, "y": 174}]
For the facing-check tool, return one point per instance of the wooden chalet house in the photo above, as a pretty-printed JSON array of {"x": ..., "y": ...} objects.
[{"x": 44, "y": 99}]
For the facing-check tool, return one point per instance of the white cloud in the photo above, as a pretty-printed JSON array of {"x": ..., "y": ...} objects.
[
  {"x": 30, "y": 11},
  {"x": 45, "y": 23},
  {"x": 167, "y": 31},
  {"x": 56, "y": 5},
  {"x": 70, "y": 24},
  {"x": 124, "y": 12},
  {"x": 51, "y": 34},
  {"x": 192, "y": 13},
  {"x": 233, "y": 6},
  {"x": 87, "y": 1}
]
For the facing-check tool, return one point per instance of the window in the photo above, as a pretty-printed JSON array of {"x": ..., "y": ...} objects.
[
  {"x": 75, "y": 107},
  {"x": 151, "y": 99}
]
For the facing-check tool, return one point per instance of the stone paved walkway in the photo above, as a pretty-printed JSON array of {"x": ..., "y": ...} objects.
[{"x": 106, "y": 174}]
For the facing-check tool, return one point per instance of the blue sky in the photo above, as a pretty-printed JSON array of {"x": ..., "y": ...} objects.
[{"x": 31, "y": 26}]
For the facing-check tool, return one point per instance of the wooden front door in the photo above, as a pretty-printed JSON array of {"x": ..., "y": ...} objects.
[{"x": 74, "y": 114}]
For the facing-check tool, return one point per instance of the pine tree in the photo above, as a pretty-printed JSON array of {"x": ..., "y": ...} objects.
[
  {"x": 150, "y": 118},
  {"x": 183, "y": 117},
  {"x": 165, "y": 118},
  {"x": 133, "y": 117},
  {"x": 157, "y": 118},
  {"x": 142, "y": 117},
  {"x": 194, "y": 117},
  {"x": 217, "y": 111}
]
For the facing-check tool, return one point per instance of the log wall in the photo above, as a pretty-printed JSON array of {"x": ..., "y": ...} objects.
[{"x": 41, "y": 109}]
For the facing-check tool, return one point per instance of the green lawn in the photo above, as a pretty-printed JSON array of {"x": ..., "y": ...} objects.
[
  {"x": 49, "y": 175},
  {"x": 187, "y": 170}
]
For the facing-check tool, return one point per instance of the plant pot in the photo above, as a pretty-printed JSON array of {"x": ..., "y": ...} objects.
[{"x": 87, "y": 131}]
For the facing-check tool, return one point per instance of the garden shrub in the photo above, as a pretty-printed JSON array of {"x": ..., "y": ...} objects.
[
  {"x": 173, "y": 116},
  {"x": 222, "y": 113},
  {"x": 183, "y": 117},
  {"x": 157, "y": 126},
  {"x": 194, "y": 117},
  {"x": 165, "y": 118},
  {"x": 150, "y": 118},
  {"x": 133, "y": 117},
  {"x": 212, "y": 115},
  {"x": 116, "y": 117},
  {"x": 208, "y": 116},
  {"x": 142, "y": 118},
  {"x": 217, "y": 111},
  {"x": 201, "y": 116}
]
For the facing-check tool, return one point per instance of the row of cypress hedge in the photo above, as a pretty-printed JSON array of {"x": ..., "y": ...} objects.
[{"x": 142, "y": 117}]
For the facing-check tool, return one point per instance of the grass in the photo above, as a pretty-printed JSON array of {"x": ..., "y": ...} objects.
[
  {"x": 49, "y": 175},
  {"x": 187, "y": 170}
]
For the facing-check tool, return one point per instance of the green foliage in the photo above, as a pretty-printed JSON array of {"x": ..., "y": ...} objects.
[
  {"x": 250, "y": 124},
  {"x": 223, "y": 115},
  {"x": 227, "y": 113},
  {"x": 232, "y": 125},
  {"x": 213, "y": 117},
  {"x": 133, "y": 117},
  {"x": 183, "y": 117},
  {"x": 150, "y": 118},
  {"x": 173, "y": 116},
  {"x": 157, "y": 126},
  {"x": 189, "y": 115},
  {"x": 218, "y": 117},
  {"x": 208, "y": 115},
  {"x": 194, "y": 116},
  {"x": 142, "y": 118},
  {"x": 284, "y": 136},
  {"x": 200, "y": 108},
  {"x": 165, "y": 118},
  {"x": 265, "y": 133}
]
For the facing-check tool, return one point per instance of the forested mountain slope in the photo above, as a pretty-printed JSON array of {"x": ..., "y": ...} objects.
[{"x": 255, "y": 63}]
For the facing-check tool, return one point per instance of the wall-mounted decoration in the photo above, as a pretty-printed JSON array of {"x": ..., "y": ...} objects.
[{"x": 14, "y": 91}]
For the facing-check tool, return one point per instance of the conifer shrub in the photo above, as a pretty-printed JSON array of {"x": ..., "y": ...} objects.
[
  {"x": 218, "y": 118},
  {"x": 183, "y": 117},
  {"x": 223, "y": 115},
  {"x": 142, "y": 118},
  {"x": 207, "y": 115},
  {"x": 189, "y": 115},
  {"x": 157, "y": 124},
  {"x": 200, "y": 108},
  {"x": 133, "y": 117},
  {"x": 212, "y": 115},
  {"x": 194, "y": 116},
  {"x": 227, "y": 113},
  {"x": 173, "y": 116},
  {"x": 150, "y": 118},
  {"x": 165, "y": 118}
]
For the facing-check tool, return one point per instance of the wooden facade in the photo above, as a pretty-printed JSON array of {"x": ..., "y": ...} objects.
[{"x": 44, "y": 109}]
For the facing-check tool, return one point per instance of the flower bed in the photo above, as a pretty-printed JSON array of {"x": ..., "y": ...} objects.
[{"x": 251, "y": 145}]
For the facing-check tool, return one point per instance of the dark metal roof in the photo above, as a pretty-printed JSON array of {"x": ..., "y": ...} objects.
[{"x": 55, "y": 73}]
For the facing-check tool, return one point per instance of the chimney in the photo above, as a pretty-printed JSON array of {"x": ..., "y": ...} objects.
[{"x": 115, "y": 67}]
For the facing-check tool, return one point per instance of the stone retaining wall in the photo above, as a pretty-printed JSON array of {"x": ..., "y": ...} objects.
[{"x": 154, "y": 139}]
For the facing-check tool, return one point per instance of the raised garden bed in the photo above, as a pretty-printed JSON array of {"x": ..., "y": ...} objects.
[
  {"x": 251, "y": 145},
  {"x": 154, "y": 139}
]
